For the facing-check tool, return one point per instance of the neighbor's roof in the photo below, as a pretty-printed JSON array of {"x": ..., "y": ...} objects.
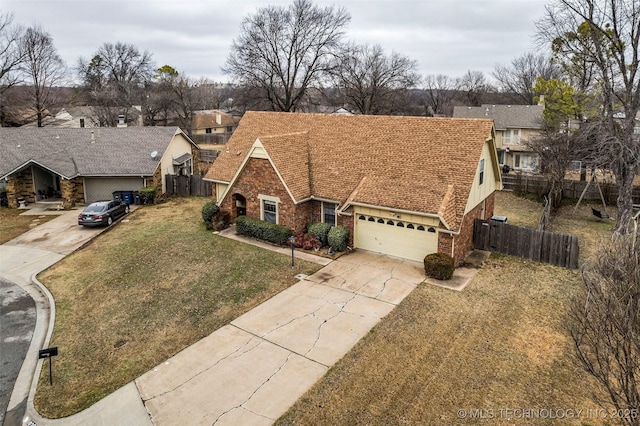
[
  {"x": 505, "y": 116},
  {"x": 74, "y": 152},
  {"x": 208, "y": 118},
  {"x": 412, "y": 163}
]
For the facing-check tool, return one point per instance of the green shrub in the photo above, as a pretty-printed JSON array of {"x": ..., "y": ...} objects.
[
  {"x": 439, "y": 266},
  {"x": 147, "y": 195},
  {"x": 262, "y": 230},
  {"x": 209, "y": 210},
  {"x": 320, "y": 231},
  {"x": 338, "y": 238}
]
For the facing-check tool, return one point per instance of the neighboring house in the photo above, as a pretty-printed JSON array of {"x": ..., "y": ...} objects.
[
  {"x": 405, "y": 186},
  {"x": 213, "y": 126},
  {"x": 87, "y": 116},
  {"x": 514, "y": 124},
  {"x": 85, "y": 165},
  {"x": 71, "y": 117}
]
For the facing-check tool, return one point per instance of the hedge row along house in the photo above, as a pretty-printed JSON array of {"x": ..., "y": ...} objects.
[{"x": 403, "y": 186}]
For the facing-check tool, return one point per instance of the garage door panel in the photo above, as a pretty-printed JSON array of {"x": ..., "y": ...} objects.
[
  {"x": 385, "y": 236},
  {"x": 103, "y": 188}
]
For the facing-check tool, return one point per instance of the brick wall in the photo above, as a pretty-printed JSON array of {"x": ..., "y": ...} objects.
[
  {"x": 347, "y": 222},
  {"x": 464, "y": 241},
  {"x": 445, "y": 242},
  {"x": 259, "y": 177}
]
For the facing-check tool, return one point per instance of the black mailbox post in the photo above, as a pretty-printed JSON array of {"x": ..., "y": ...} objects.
[{"x": 48, "y": 353}]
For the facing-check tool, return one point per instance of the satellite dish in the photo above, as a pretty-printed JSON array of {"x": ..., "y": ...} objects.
[{"x": 154, "y": 154}]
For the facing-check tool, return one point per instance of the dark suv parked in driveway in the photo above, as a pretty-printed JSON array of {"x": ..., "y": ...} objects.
[{"x": 103, "y": 212}]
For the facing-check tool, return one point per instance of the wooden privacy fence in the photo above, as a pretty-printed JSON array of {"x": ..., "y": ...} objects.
[
  {"x": 184, "y": 186},
  {"x": 539, "y": 185},
  {"x": 527, "y": 243}
]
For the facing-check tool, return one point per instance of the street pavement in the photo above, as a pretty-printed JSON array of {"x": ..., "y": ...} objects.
[{"x": 18, "y": 313}]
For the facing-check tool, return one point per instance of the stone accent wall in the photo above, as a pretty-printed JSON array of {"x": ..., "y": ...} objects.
[
  {"x": 20, "y": 185},
  {"x": 72, "y": 192},
  {"x": 259, "y": 177}
]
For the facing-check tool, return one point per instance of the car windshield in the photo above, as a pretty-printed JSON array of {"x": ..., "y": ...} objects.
[{"x": 96, "y": 207}]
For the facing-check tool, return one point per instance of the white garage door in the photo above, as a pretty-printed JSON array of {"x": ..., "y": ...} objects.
[
  {"x": 103, "y": 188},
  {"x": 396, "y": 238}
]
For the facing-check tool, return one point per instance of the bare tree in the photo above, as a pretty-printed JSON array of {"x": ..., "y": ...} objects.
[
  {"x": 604, "y": 323},
  {"x": 605, "y": 34},
  {"x": 189, "y": 97},
  {"x": 115, "y": 77},
  {"x": 474, "y": 85},
  {"x": 370, "y": 80},
  {"x": 520, "y": 77},
  {"x": 43, "y": 67},
  {"x": 11, "y": 57},
  {"x": 281, "y": 52},
  {"x": 440, "y": 90}
]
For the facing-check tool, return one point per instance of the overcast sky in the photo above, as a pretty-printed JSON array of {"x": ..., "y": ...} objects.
[{"x": 193, "y": 36}]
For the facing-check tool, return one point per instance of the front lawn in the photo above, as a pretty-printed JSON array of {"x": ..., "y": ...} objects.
[
  {"x": 154, "y": 284},
  {"x": 13, "y": 223},
  {"x": 447, "y": 357}
]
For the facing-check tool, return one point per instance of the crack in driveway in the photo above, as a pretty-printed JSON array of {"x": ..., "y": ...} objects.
[
  {"x": 238, "y": 352},
  {"x": 241, "y": 405}
]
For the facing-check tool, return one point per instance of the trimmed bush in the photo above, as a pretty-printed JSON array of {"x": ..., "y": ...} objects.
[
  {"x": 320, "y": 231},
  {"x": 262, "y": 230},
  {"x": 439, "y": 266},
  {"x": 338, "y": 238},
  {"x": 209, "y": 210},
  {"x": 147, "y": 195}
]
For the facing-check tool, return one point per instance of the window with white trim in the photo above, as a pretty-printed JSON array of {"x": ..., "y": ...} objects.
[
  {"x": 269, "y": 211},
  {"x": 481, "y": 171},
  {"x": 329, "y": 213},
  {"x": 525, "y": 161},
  {"x": 511, "y": 137}
]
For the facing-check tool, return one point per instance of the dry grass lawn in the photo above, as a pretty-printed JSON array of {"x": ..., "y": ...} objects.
[
  {"x": 13, "y": 224},
  {"x": 500, "y": 344},
  {"x": 151, "y": 286}
]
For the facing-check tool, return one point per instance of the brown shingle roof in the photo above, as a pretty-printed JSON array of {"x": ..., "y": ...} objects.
[
  {"x": 404, "y": 163},
  {"x": 207, "y": 118}
]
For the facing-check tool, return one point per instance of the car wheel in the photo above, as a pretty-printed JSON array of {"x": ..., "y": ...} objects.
[
  {"x": 126, "y": 210},
  {"x": 109, "y": 221}
]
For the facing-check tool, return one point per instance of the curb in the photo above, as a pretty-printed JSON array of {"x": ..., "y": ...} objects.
[{"x": 30, "y": 412}]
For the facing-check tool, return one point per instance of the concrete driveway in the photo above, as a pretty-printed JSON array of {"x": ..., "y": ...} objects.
[
  {"x": 253, "y": 370},
  {"x": 61, "y": 235}
]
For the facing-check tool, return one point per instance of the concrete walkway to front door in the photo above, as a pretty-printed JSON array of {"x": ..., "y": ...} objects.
[{"x": 253, "y": 370}]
